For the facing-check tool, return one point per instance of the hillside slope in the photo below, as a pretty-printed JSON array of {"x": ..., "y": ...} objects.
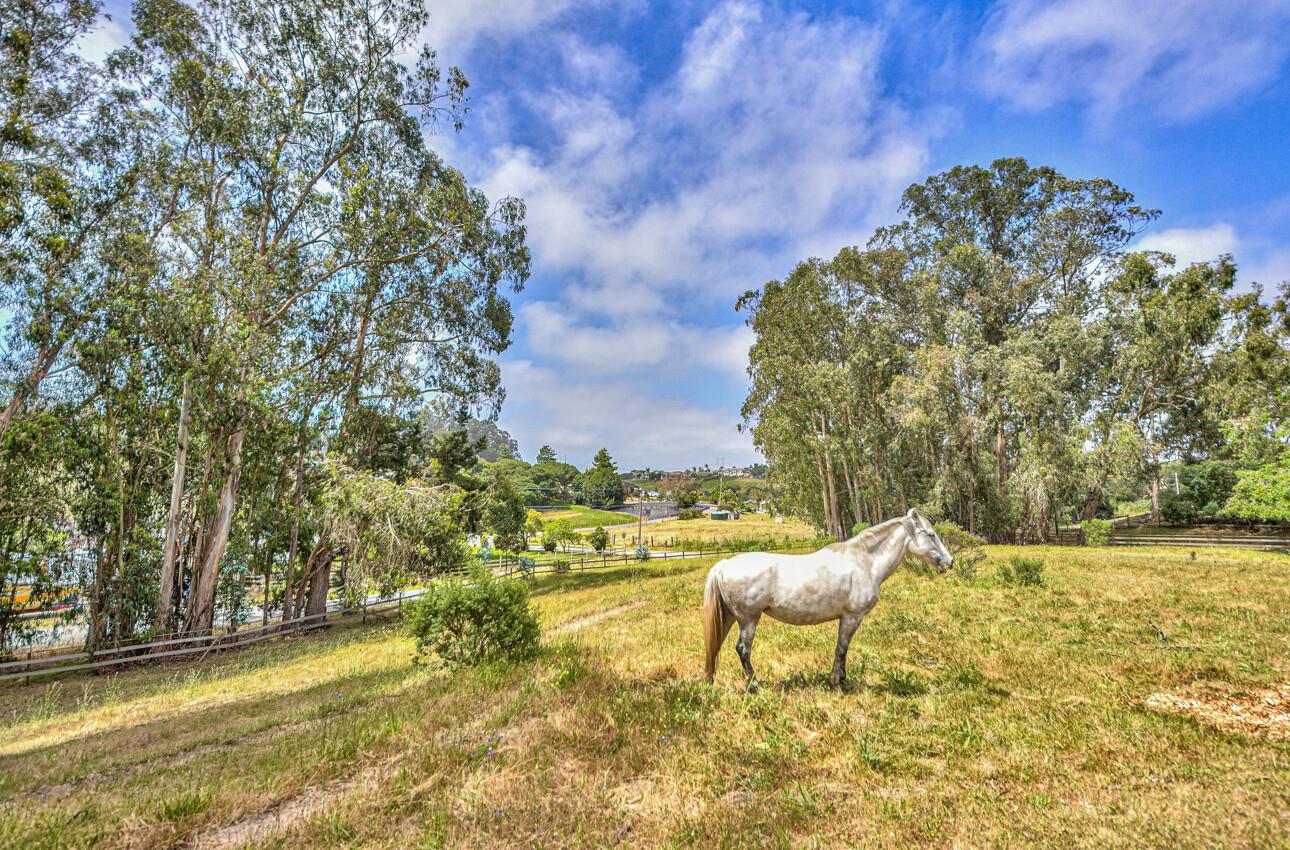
[{"x": 988, "y": 715}]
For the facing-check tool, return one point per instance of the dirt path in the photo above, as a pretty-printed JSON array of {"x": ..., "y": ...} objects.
[
  {"x": 309, "y": 803},
  {"x": 591, "y": 619}
]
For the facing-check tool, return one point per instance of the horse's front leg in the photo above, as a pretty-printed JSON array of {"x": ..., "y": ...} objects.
[
  {"x": 747, "y": 631},
  {"x": 847, "y": 626}
]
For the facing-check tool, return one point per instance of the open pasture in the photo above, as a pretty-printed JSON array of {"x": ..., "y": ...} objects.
[
  {"x": 1130, "y": 701},
  {"x": 587, "y": 518},
  {"x": 673, "y": 533}
]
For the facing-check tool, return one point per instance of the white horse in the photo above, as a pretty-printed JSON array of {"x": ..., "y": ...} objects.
[{"x": 839, "y": 582}]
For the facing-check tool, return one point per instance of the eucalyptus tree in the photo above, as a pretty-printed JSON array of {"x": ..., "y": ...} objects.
[
  {"x": 950, "y": 364},
  {"x": 1164, "y": 333},
  {"x": 299, "y": 176},
  {"x": 69, "y": 156},
  {"x": 1012, "y": 257}
]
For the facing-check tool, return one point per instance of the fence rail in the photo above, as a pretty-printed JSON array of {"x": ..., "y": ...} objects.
[
  {"x": 99, "y": 659},
  {"x": 1194, "y": 537}
]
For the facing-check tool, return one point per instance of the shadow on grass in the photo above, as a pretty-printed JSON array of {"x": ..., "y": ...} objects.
[
  {"x": 819, "y": 681},
  {"x": 124, "y": 747}
]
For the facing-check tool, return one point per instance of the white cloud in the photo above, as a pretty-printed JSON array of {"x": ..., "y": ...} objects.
[
  {"x": 1178, "y": 58},
  {"x": 1258, "y": 260},
  {"x": 1192, "y": 245},
  {"x": 106, "y": 36},
  {"x": 652, "y": 204},
  {"x": 664, "y": 347},
  {"x": 579, "y": 416},
  {"x": 772, "y": 129},
  {"x": 1271, "y": 271},
  {"x": 457, "y": 25}
]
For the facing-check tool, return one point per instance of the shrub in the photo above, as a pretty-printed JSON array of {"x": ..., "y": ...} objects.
[
  {"x": 471, "y": 621},
  {"x": 1025, "y": 572},
  {"x": 560, "y": 532},
  {"x": 968, "y": 549},
  {"x": 858, "y": 527},
  {"x": 560, "y": 566},
  {"x": 642, "y": 552},
  {"x": 599, "y": 539},
  {"x": 1097, "y": 532},
  {"x": 690, "y": 513},
  {"x": 548, "y": 544}
]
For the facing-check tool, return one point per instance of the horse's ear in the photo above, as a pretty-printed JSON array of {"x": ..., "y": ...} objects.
[{"x": 912, "y": 513}]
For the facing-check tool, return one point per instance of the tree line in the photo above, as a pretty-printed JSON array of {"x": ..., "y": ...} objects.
[
  {"x": 1000, "y": 358},
  {"x": 231, "y": 267}
]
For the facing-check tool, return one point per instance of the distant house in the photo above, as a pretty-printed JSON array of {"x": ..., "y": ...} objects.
[{"x": 719, "y": 514}]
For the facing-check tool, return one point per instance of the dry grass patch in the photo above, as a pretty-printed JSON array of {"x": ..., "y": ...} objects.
[{"x": 1261, "y": 712}]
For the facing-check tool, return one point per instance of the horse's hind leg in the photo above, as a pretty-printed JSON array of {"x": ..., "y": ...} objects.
[
  {"x": 747, "y": 631},
  {"x": 846, "y": 629}
]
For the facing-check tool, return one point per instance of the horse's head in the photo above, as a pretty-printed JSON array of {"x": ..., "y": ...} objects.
[{"x": 925, "y": 543}]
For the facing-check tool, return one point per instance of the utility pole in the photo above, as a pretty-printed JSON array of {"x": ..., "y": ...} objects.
[
  {"x": 640, "y": 515},
  {"x": 721, "y": 480}
]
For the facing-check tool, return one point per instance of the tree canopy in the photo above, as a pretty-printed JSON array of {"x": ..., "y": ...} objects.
[
  {"x": 239, "y": 282},
  {"x": 996, "y": 356}
]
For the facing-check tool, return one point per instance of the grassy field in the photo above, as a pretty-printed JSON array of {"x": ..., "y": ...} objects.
[
  {"x": 981, "y": 715},
  {"x": 671, "y": 533},
  {"x": 588, "y": 517}
]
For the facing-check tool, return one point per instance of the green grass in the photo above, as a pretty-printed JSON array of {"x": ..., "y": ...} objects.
[
  {"x": 981, "y": 715},
  {"x": 588, "y": 517}
]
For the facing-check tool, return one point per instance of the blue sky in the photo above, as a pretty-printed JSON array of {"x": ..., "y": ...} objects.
[{"x": 674, "y": 155}]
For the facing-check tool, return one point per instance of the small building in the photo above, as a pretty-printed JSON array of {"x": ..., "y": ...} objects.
[{"x": 718, "y": 514}]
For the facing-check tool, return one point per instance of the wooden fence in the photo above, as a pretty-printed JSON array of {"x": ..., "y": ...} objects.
[
  {"x": 1195, "y": 536},
  {"x": 140, "y": 653}
]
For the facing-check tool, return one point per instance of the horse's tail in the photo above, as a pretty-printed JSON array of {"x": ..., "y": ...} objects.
[{"x": 714, "y": 625}]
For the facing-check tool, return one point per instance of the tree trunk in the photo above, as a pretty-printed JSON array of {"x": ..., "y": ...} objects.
[
  {"x": 1094, "y": 496},
  {"x": 835, "y": 522},
  {"x": 1155, "y": 500},
  {"x": 1000, "y": 449},
  {"x": 356, "y": 374},
  {"x": 853, "y": 490},
  {"x": 824, "y": 492},
  {"x": 204, "y": 583},
  {"x": 319, "y": 572},
  {"x": 170, "y": 550}
]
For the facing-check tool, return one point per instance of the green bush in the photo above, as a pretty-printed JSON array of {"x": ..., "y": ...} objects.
[
  {"x": 471, "y": 621},
  {"x": 598, "y": 538},
  {"x": 642, "y": 552},
  {"x": 548, "y": 544},
  {"x": 1025, "y": 572},
  {"x": 858, "y": 527},
  {"x": 1097, "y": 532},
  {"x": 560, "y": 566},
  {"x": 690, "y": 513},
  {"x": 968, "y": 549}
]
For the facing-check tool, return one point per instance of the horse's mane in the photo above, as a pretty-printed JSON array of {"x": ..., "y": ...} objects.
[{"x": 869, "y": 539}]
